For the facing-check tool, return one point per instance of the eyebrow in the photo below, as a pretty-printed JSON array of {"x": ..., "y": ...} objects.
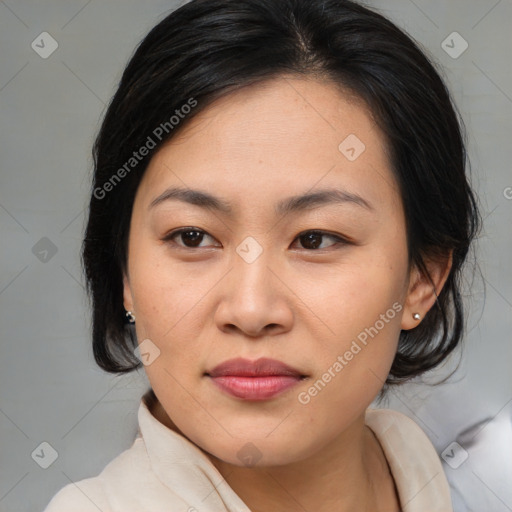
[{"x": 290, "y": 205}]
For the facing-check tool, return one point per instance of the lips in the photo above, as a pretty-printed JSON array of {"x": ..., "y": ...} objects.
[{"x": 254, "y": 380}]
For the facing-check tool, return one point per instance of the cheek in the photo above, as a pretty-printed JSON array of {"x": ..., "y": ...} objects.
[
  {"x": 353, "y": 297},
  {"x": 165, "y": 294},
  {"x": 362, "y": 306},
  {"x": 353, "y": 364}
]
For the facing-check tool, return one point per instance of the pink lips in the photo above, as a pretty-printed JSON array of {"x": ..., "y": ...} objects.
[{"x": 254, "y": 380}]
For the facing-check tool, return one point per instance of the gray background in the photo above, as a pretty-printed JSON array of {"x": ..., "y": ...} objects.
[{"x": 51, "y": 390}]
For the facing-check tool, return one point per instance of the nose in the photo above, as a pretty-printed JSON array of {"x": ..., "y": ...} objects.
[{"x": 254, "y": 300}]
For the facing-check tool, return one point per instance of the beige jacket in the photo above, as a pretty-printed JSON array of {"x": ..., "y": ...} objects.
[{"x": 165, "y": 472}]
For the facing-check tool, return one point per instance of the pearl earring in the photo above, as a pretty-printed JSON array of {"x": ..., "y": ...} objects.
[
  {"x": 131, "y": 317},
  {"x": 416, "y": 316}
]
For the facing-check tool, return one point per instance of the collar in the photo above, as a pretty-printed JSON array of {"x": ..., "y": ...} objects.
[
  {"x": 413, "y": 461},
  {"x": 184, "y": 468}
]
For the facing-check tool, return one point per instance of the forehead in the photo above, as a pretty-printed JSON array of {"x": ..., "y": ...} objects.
[{"x": 287, "y": 133}]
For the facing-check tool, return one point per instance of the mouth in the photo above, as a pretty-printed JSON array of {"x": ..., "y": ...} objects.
[{"x": 254, "y": 380}]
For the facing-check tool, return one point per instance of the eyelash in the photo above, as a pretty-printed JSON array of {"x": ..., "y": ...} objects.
[{"x": 338, "y": 239}]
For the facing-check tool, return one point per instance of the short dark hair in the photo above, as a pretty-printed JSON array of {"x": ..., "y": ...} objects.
[{"x": 206, "y": 49}]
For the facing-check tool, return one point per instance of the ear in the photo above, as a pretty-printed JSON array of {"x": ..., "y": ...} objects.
[
  {"x": 424, "y": 289},
  {"x": 127, "y": 294}
]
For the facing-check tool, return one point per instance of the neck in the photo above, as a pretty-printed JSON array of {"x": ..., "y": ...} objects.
[{"x": 351, "y": 473}]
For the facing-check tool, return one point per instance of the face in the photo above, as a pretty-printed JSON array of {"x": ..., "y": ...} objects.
[{"x": 252, "y": 271}]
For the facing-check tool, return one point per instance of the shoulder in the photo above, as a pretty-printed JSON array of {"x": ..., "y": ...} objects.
[
  {"x": 83, "y": 496},
  {"x": 122, "y": 475}
]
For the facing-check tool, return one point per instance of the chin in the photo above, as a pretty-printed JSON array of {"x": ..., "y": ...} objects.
[{"x": 257, "y": 453}]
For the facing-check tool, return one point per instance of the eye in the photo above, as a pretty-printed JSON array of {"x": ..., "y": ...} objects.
[
  {"x": 314, "y": 239},
  {"x": 190, "y": 237}
]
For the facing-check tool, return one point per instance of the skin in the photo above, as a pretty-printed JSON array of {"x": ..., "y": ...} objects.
[{"x": 204, "y": 304}]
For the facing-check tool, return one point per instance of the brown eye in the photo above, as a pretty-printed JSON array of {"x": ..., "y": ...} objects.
[
  {"x": 192, "y": 238},
  {"x": 188, "y": 237},
  {"x": 313, "y": 239}
]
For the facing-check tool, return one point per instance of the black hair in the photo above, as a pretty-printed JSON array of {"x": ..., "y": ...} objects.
[{"x": 206, "y": 49}]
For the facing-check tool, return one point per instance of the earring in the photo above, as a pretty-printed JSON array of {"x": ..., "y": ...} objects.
[
  {"x": 131, "y": 317},
  {"x": 416, "y": 316}
]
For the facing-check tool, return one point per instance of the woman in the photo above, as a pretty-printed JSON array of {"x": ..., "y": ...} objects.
[{"x": 278, "y": 222}]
